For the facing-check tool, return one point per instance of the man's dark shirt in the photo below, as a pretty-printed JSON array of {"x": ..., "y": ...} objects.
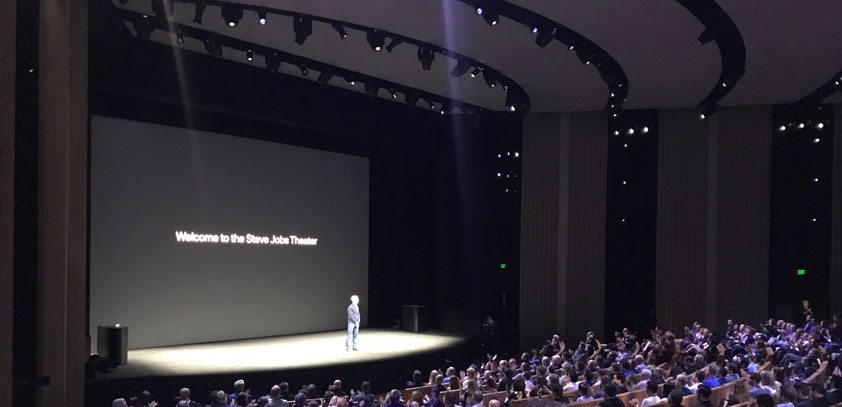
[
  {"x": 805, "y": 403},
  {"x": 833, "y": 397},
  {"x": 705, "y": 403},
  {"x": 353, "y": 314},
  {"x": 820, "y": 402},
  {"x": 612, "y": 402}
]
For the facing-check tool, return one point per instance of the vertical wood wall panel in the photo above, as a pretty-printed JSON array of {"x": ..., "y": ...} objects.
[
  {"x": 539, "y": 234},
  {"x": 836, "y": 215},
  {"x": 745, "y": 150},
  {"x": 681, "y": 228},
  {"x": 62, "y": 201},
  {"x": 7, "y": 188},
  {"x": 586, "y": 238}
]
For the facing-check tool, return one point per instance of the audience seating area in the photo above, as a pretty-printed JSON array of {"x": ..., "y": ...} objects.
[{"x": 777, "y": 363}]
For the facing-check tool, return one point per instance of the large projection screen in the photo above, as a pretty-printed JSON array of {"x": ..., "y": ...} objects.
[{"x": 200, "y": 237}]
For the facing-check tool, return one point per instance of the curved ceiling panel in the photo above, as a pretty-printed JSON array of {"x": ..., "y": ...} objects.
[
  {"x": 655, "y": 41},
  {"x": 791, "y": 48}
]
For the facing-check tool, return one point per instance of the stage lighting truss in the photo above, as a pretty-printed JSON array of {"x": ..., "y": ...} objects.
[
  {"x": 232, "y": 15},
  {"x": 216, "y": 44},
  {"x": 545, "y": 32}
]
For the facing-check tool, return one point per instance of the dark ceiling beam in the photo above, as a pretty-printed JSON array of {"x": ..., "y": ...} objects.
[
  {"x": 732, "y": 50},
  {"x": 815, "y": 98}
]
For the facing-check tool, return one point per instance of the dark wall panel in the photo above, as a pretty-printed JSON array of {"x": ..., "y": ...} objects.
[
  {"x": 836, "y": 216},
  {"x": 586, "y": 241},
  {"x": 539, "y": 227},
  {"x": 743, "y": 214},
  {"x": 681, "y": 229},
  {"x": 7, "y": 186}
]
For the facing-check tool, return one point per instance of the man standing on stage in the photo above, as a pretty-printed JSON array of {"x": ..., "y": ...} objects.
[{"x": 353, "y": 323}]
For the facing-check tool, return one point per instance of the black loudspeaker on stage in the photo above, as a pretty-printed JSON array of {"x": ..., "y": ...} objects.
[{"x": 113, "y": 343}]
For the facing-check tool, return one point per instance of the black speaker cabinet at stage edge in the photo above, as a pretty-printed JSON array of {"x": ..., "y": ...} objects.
[
  {"x": 113, "y": 343},
  {"x": 415, "y": 318}
]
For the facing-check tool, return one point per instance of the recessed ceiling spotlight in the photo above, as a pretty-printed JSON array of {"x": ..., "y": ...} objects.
[
  {"x": 261, "y": 16},
  {"x": 232, "y": 14},
  {"x": 376, "y": 40}
]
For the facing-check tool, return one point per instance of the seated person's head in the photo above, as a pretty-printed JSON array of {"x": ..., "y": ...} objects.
[
  {"x": 239, "y": 385},
  {"x": 454, "y": 383},
  {"x": 477, "y": 396},
  {"x": 765, "y": 400},
  {"x": 703, "y": 392},
  {"x": 651, "y": 388},
  {"x": 610, "y": 390},
  {"x": 519, "y": 385},
  {"x": 450, "y": 399},
  {"x": 395, "y": 396},
  {"x": 675, "y": 398},
  {"x": 584, "y": 390}
]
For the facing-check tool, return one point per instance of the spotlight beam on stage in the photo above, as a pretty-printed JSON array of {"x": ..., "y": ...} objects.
[{"x": 279, "y": 353}]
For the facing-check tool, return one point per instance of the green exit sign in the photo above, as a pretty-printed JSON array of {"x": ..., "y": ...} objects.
[
  {"x": 502, "y": 265},
  {"x": 802, "y": 272}
]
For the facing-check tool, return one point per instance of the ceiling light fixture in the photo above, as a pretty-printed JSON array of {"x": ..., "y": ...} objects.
[{"x": 303, "y": 27}]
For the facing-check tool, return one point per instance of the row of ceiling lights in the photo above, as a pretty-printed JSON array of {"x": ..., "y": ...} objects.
[{"x": 232, "y": 14}]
